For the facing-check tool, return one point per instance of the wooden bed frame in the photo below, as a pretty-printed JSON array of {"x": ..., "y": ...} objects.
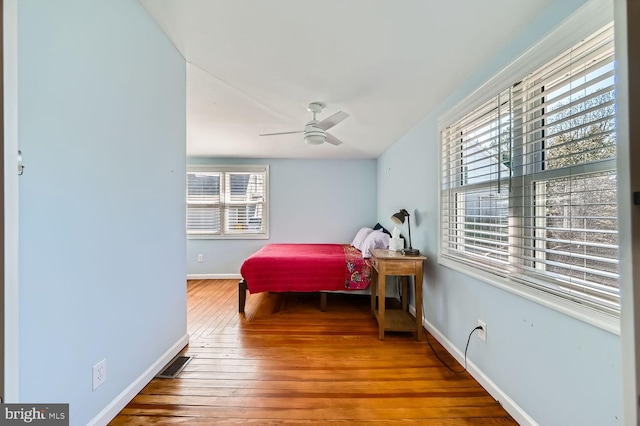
[{"x": 242, "y": 297}]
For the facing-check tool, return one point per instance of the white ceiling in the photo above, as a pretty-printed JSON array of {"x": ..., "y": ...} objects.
[{"x": 253, "y": 66}]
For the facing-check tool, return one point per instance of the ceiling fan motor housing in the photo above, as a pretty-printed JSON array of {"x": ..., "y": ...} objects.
[{"x": 314, "y": 135}]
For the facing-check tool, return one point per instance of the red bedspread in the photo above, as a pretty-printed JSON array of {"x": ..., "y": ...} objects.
[{"x": 305, "y": 268}]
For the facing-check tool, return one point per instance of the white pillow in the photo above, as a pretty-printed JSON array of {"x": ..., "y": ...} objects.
[
  {"x": 375, "y": 240},
  {"x": 362, "y": 234}
]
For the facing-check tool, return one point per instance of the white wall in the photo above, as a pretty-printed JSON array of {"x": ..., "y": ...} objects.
[
  {"x": 554, "y": 369},
  {"x": 628, "y": 130},
  {"x": 101, "y": 221},
  {"x": 11, "y": 301},
  {"x": 311, "y": 201}
]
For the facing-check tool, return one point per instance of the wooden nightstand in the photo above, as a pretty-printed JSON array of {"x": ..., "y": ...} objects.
[{"x": 387, "y": 262}]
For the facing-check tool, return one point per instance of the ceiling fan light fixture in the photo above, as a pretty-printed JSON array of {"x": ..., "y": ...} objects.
[
  {"x": 314, "y": 135},
  {"x": 315, "y": 139}
]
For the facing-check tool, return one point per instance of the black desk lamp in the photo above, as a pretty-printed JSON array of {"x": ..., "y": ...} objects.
[{"x": 398, "y": 219}]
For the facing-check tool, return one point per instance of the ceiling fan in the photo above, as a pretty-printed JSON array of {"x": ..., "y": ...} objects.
[{"x": 315, "y": 132}]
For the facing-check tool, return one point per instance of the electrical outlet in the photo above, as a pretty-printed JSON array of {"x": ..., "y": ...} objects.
[
  {"x": 482, "y": 334},
  {"x": 200, "y": 258},
  {"x": 99, "y": 374}
]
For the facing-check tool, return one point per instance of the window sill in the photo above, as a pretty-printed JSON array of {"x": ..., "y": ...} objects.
[{"x": 607, "y": 322}]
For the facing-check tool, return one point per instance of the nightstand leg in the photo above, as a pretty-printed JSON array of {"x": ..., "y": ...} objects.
[
  {"x": 405, "y": 293},
  {"x": 418, "y": 293},
  {"x": 374, "y": 284},
  {"x": 382, "y": 294}
]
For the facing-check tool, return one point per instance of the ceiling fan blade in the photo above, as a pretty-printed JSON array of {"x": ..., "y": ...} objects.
[
  {"x": 329, "y": 122},
  {"x": 333, "y": 140},
  {"x": 282, "y": 133}
]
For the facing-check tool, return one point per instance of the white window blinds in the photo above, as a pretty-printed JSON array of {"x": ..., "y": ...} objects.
[
  {"x": 203, "y": 202},
  {"x": 227, "y": 202},
  {"x": 475, "y": 179},
  {"x": 529, "y": 179}
]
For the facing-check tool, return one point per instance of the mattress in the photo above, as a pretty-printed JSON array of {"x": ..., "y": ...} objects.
[{"x": 306, "y": 268}]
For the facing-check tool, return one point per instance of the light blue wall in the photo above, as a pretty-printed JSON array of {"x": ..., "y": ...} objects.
[
  {"x": 559, "y": 370},
  {"x": 311, "y": 201},
  {"x": 101, "y": 228}
]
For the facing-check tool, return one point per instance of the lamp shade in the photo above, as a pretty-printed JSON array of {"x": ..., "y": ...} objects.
[{"x": 398, "y": 218}]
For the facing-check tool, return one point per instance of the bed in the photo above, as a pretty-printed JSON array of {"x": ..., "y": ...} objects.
[{"x": 311, "y": 267}]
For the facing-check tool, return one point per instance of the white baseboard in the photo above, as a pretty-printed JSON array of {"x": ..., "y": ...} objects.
[
  {"x": 112, "y": 410},
  {"x": 213, "y": 276},
  {"x": 518, "y": 414}
]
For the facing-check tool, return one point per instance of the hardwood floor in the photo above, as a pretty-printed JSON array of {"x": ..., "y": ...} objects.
[{"x": 285, "y": 362}]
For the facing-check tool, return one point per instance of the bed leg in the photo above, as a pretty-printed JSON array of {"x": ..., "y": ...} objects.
[
  {"x": 323, "y": 302},
  {"x": 242, "y": 295}
]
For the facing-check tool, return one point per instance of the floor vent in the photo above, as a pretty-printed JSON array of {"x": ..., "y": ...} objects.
[{"x": 174, "y": 368}]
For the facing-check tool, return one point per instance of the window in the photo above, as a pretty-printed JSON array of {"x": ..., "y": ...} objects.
[
  {"x": 227, "y": 201},
  {"x": 529, "y": 180}
]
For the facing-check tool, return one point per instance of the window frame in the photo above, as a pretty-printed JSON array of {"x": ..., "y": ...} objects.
[
  {"x": 225, "y": 170},
  {"x": 558, "y": 41}
]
